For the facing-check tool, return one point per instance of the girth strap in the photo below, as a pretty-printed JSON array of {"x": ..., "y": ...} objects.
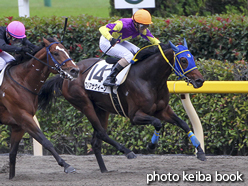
[{"x": 116, "y": 103}]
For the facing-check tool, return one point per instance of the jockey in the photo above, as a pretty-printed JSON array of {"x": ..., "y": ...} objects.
[
  {"x": 14, "y": 32},
  {"x": 128, "y": 28}
]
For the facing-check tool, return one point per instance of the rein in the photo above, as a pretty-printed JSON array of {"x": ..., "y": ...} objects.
[
  {"x": 8, "y": 73},
  {"x": 162, "y": 53},
  {"x": 172, "y": 66}
]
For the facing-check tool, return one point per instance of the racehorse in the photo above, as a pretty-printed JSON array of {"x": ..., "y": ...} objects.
[
  {"x": 144, "y": 95},
  {"x": 22, "y": 81}
]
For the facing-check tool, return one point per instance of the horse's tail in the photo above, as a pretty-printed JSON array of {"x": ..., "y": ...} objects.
[{"x": 51, "y": 89}]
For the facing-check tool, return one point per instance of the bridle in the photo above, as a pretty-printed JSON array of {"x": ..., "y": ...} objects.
[
  {"x": 63, "y": 74},
  {"x": 179, "y": 71},
  {"x": 57, "y": 67}
]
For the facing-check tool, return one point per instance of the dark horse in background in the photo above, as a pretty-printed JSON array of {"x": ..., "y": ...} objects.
[
  {"x": 22, "y": 82},
  {"x": 144, "y": 95}
]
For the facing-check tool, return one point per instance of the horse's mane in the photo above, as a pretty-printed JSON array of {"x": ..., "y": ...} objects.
[
  {"x": 145, "y": 53},
  {"x": 21, "y": 58}
]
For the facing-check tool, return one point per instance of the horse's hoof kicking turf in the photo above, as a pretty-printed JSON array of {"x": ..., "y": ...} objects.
[
  {"x": 131, "y": 155},
  {"x": 70, "y": 169}
]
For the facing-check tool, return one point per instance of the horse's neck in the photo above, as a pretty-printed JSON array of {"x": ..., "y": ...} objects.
[
  {"x": 31, "y": 73},
  {"x": 157, "y": 69}
]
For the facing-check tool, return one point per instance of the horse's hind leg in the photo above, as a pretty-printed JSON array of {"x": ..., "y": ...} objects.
[
  {"x": 141, "y": 118},
  {"x": 97, "y": 147},
  {"x": 102, "y": 134},
  {"x": 16, "y": 136},
  {"x": 99, "y": 121},
  {"x": 169, "y": 116}
]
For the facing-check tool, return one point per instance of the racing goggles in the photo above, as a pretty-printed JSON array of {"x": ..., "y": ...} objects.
[
  {"x": 10, "y": 37},
  {"x": 143, "y": 26}
]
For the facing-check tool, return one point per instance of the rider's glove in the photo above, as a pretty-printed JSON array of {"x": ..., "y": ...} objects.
[
  {"x": 113, "y": 41},
  {"x": 27, "y": 50}
]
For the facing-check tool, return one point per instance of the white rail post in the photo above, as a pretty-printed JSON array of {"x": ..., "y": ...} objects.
[
  {"x": 23, "y": 7},
  {"x": 196, "y": 123},
  {"x": 135, "y": 10},
  {"x": 37, "y": 147}
]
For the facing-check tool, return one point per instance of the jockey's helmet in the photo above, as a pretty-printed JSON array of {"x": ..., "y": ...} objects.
[
  {"x": 16, "y": 29},
  {"x": 143, "y": 17}
]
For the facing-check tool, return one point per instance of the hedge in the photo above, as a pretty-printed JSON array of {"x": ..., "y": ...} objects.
[
  {"x": 222, "y": 37},
  {"x": 216, "y": 43}
]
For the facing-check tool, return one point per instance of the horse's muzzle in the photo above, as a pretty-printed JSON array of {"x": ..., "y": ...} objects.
[
  {"x": 198, "y": 83},
  {"x": 74, "y": 72}
]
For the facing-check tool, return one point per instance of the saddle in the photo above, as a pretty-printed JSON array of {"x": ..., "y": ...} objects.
[{"x": 111, "y": 60}]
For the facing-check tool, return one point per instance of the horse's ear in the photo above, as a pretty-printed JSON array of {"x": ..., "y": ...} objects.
[
  {"x": 56, "y": 39},
  {"x": 185, "y": 43},
  {"x": 174, "y": 48},
  {"x": 46, "y": 42}
]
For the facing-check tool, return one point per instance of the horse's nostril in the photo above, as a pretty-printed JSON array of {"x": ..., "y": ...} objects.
[
  {"x": 74, "y": 72},
  {"x": 199, "y": 82}
]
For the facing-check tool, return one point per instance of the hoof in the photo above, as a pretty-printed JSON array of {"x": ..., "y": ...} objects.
[
  {"x": 11, "y": 177},
  {"x": 151, "y": 148},
  {"x": 131, "y": 155},
  {"x": 201, "y": 156},
  {"x": 104, "y": 171},
  {"x": 70, "y": 169}
]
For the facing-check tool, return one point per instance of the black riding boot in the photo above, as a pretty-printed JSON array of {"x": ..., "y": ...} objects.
[{"x": 110, "y": 80}]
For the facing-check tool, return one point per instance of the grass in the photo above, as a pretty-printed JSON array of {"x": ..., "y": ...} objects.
[{"x": 98, "y": 8}]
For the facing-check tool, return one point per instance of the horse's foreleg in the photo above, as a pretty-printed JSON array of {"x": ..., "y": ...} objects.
[
  {"x": 40, "y": 137},
  {"x": 169, "y": 116},
  {"x": 200, "y": 153},
  {"x": 16, "y": 136},
  {"x": 144, "y": 119},
  {"x": 34, "y": 131}
]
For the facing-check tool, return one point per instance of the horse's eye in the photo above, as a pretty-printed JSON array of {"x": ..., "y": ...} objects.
[
  {"x": 184, "y": 61},
  {"x": 56, "y": 53}
]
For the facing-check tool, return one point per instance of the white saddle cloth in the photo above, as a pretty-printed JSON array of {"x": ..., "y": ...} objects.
[
  {"x": 99, "y": 72},
  {"x": 2, "y": 74}
]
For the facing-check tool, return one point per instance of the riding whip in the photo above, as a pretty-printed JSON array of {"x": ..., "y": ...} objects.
[
  {"x": 101, "y": 56},
  {"x": 64, "y": 29}
]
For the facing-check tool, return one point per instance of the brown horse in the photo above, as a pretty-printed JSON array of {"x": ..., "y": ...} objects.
[
  {"x": 144, "y": 96},
  {"x": 22, "y": 81}
]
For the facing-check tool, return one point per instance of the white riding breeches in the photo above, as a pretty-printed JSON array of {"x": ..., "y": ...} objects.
[
  {"x": 124, "y": 49},
  {"x": 5, "y": 58}
]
